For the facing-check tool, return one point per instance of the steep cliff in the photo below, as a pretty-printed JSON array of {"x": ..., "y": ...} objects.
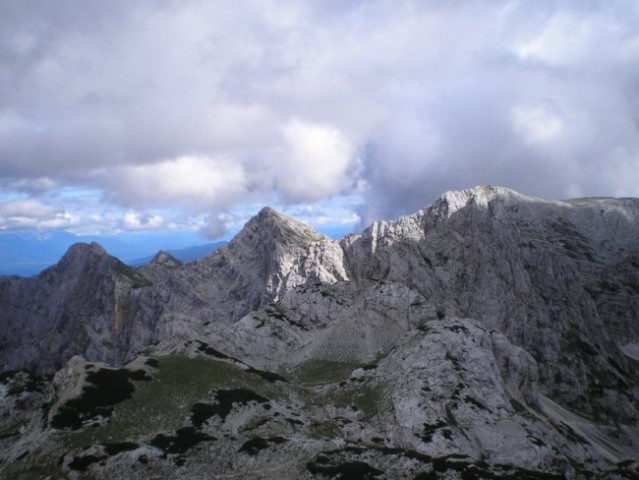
[{"x": 80, "y": 306}]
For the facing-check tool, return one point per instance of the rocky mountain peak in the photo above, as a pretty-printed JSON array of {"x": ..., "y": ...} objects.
[
  {"x": 274, "y": 253},
  {"x": 269, "y": 256},
  {"x": 480, "y": 196},
  {"x": 165, "y": 259},
  {"x": 273, "y": 227},
  {"x": 414, "y": 226},
  {"x": 84, "y": 250},
  {"x": 81, "y": 254}
]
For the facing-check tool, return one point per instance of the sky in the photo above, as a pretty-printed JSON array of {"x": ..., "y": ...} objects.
[{"x": 191, "y": 115}]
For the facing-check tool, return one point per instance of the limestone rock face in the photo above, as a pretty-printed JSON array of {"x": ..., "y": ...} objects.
[
  {"x": 488, "y": 335},
  {"x": 551, "y": 276},
  {"x": 271, "y": 255},
  {"x": 79, "y": 306},
  {"x": 93, "y": 305}
]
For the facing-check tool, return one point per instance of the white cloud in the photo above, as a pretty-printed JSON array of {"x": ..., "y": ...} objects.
[
  {"x": 33, "y": 214},
  {"x": 197, "y": 182},
  {"x": 563, "y": 38},
  {"x": 29, "y": 208},
  {"x": 536, "y": 123},
  {"x": 59, "y": 220},
  {"x": 216, "y": 226},
  {"x": 133, "y": 221},
  {"x": 319, "y": 161}
]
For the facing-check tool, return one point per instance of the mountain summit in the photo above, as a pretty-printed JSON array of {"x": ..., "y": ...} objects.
[
  {"x": 269, "y": 224},
  {"x": 274, "y": 253},
  {"x": 488, "y": 335}
]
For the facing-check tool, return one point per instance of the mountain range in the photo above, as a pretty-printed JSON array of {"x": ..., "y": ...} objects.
[
  {"x": 188, "y": 254},
  {"x": 488, "y": 335},
  {"x": 29, "y": 252}
]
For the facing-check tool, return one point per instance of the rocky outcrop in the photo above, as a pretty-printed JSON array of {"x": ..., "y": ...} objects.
[
  {"x": 80, "y": 306},
  {"x": 489, "y": 335},
  {"x": 546, "y": 274},
  {"x": 271, "y": 255}
]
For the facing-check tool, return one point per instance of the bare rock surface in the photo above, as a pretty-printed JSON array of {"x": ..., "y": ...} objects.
[
  {"x": 489, "y": 335},
  {"x": 92, "y": 304}
]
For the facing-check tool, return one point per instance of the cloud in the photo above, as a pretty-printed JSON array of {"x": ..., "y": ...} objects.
[
  {"x": 536, "y": 123},
  {"x": 33, "y": 186},
  {"x": 31, "y": 213},
  {"x": 197, "y": 182},
  {"x": 204, "y": 107},
  {"x": 216, "y": 226},
  {"x": 527, "y": 105},
  {"x": 25, "y": 208},
  {"x": 320, "y": 162},
  {"x": 132, "y": 221}
]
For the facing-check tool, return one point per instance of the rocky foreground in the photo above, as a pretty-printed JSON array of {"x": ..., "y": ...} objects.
[{"x": 490, "y": 335}]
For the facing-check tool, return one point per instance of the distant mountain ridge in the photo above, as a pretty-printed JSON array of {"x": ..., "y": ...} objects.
[
  {"x": 22, "y": 253},
  {"x": 488, "y": 335},
  {"x": 29, "y": 252},
  {"x": 188, "y": 254}
]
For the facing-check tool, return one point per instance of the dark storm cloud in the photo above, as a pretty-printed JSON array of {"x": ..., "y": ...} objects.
[{"x": 210, "y": 105}]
